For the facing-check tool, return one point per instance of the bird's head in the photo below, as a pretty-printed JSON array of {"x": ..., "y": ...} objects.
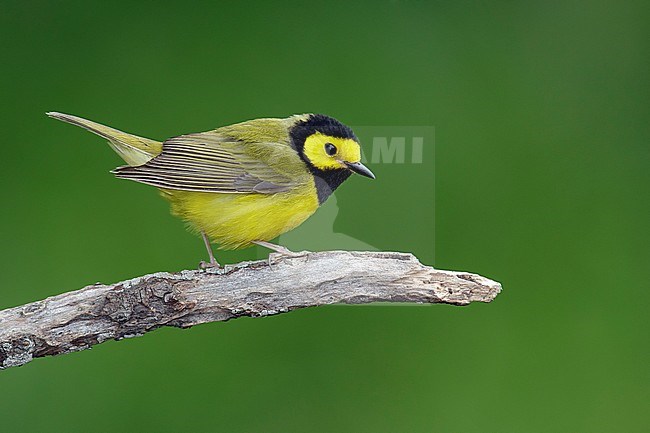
[{"x": 327, "y": 145}]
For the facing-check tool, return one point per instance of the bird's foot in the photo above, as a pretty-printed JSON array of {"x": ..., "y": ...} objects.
[
  {"x": 280, "y": 250},
  {"x": 283, "y": 251},
  {"x": 212, "y": 264},
  {"x": 209, "y": 265}
]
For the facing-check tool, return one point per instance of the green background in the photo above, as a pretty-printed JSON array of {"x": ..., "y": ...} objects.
[{"x": 542, "y": 169}]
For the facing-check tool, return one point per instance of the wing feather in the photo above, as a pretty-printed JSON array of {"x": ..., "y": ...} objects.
[{"x": 216, "y": 162}]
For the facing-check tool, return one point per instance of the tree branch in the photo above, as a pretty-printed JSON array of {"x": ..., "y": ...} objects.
[{"x": 77, "y": 320}]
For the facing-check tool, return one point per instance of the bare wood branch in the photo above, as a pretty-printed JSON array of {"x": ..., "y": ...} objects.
[{"x": 77, "y": 320}]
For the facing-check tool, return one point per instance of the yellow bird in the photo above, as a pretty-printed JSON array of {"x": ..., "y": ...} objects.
[{"x": 241, "y": 184}]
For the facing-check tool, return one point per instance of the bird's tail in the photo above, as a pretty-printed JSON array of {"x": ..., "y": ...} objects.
[{"x": 132, "y": 149}]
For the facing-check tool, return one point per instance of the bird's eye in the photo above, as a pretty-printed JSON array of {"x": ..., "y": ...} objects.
[{"x": 330, "y": 149}]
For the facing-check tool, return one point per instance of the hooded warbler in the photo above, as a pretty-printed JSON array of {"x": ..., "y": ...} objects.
[{"x": 245, "y": 183}]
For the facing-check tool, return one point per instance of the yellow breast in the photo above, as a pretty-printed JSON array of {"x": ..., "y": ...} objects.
[{"x": 235, "y": 220}]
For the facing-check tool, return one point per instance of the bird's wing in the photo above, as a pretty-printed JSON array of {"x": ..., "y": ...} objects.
[{"x": 214, "y": 162}]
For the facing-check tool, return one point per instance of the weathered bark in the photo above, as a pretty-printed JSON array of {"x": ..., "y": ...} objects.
[{"x": 77, "y": 320}]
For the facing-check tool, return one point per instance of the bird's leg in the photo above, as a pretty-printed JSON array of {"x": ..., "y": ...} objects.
[
  {"x": 279, "y": 249},
  {"x": 213, "y": 262}
]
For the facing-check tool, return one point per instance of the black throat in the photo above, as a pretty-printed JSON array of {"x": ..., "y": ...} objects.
[{"x": 326, "y": 181}]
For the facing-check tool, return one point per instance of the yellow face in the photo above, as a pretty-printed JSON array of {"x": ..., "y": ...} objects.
[{"x": 329, "y": 153}]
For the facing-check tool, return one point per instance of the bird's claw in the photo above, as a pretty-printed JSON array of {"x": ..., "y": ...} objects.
[
  {"x": 208, "y": 265},
  {"x": 285, "y": 253},
  {"x": 279, "y": 250}
]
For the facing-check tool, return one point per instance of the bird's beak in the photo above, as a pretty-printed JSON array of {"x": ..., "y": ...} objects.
[{"x": 359, "y": 168}]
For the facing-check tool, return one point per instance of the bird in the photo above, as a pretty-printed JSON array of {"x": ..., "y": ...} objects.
[{"x": 243, "y": 184}]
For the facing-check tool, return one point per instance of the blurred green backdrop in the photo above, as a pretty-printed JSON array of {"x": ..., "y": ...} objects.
[{"x": 541, "y": 182}]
